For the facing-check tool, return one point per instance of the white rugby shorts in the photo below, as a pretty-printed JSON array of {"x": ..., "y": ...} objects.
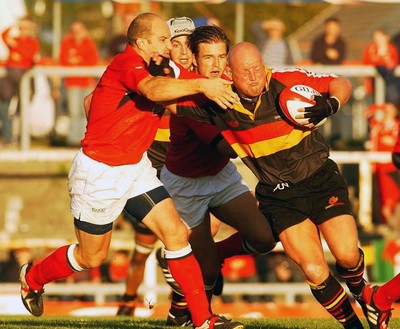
[
  {"x": 194, "y": 196},
  {"x": 99, "y": 192}
]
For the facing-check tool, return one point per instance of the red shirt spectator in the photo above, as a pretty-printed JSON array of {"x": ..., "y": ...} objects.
[
  {"x": 24, "y": 48},
  {"x": 380, "y": 52},
  {"x": 383, "y": 136},
  {"x": 78, "y": 49}
]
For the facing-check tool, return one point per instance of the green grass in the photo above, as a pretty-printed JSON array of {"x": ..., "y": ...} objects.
[{"x": 67, "y": 322}]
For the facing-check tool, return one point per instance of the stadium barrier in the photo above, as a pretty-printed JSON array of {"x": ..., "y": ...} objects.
[
  {"x": 287, "y": 292},
  {"x": 348, "y": 71}
]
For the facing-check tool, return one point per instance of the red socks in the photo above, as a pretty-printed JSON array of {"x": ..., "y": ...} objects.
[
  {"x": 53, "y": 267},
  {"x": 186, "y": 272},
  {"x": 388, "y": 293}
]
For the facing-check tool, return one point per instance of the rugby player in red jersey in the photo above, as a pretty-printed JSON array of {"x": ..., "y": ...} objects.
[{"x": 112, "y": 173}]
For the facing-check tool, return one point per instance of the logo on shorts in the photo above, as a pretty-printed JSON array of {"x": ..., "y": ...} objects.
[
  {"x": 333, "y": 202},
  {"x": 99, "y": 211},
  {"x": 280, "y": 186}
]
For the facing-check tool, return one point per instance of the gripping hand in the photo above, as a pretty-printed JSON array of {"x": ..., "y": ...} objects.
[
  {"x": 323, "y": 108},
  {"x": 396, "y": 159},
  {"x": 159, "y": 68}
]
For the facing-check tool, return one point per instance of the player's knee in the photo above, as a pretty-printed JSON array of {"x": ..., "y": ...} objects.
[
  {"x": 92, "y": 261},
  {"x": 315, "y": 273},
  {"x": 174, "y": 235},
  {"x": 349, "y": 258},
  {"x": 139, "y": 259},
  {"x": 262, "y": 245}
]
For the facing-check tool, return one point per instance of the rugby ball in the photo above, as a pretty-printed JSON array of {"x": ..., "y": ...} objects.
[{"x": 296, "y": 97}]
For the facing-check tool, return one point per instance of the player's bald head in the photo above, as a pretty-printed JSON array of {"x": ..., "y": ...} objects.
[
  {"x": 247, "y": 67},
  {"x": 143, "y": 26},
  {"x": 243, "y": 51}
]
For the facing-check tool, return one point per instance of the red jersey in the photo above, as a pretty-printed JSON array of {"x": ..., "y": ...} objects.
[
  {"x": 121, "y": 124},
  {"x": 85, "y": 52},
  {"x": 396, "y": 148},
  {"x": 24, "y": 53},
  {"x": 192, "y": 152}
]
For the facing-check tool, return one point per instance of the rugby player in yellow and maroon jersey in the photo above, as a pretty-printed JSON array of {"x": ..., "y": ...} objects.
[
  {"x": 112, "y": 173},
  {"x": 300, "y": 189}
]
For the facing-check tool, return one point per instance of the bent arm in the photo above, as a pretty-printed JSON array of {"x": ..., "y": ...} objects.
[
  {"x": 340, "y": 88},
  {"x": 86, "y": 103}
]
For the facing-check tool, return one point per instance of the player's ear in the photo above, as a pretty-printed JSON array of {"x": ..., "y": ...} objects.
[
  {"x": 228, "y": 72},
  {"x": 141, "y": 43}
]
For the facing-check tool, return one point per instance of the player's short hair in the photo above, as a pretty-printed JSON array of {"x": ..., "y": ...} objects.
[
  {"x": 207, "y": 34},
  {"x": 141, "y": 27}
]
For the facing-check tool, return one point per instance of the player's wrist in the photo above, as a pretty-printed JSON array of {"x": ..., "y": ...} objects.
[{"x": 335, "y": 103}]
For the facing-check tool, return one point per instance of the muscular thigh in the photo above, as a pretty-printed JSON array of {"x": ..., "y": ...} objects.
[
  {"x": 341, "y": 235},
  {"x": 303, "y": 245},
  {"x": 242, "y": 213},
  {"x": 163, "y": 219}
]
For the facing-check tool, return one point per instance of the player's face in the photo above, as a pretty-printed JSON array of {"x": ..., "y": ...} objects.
[
  {"x": 180, "y": 52},
  {"x": 211, "y": 59},
  {"x": 159, "y": 42},
  {"x": 249, "y": 77}
]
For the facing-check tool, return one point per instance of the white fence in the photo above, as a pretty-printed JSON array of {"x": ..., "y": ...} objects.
[
  {"x": 62, "y": 71},
  {"x": 287, "y": 291}
]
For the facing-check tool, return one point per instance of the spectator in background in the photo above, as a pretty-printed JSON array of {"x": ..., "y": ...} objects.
[
  {"x": 24, "y": 52},
  {"x": 78, "y": 49},
  {"x": 270, "y": 41},
  {"x": 329, "y": 48},
  {"x": 116, "y": 269},
  {"x": 240, "y": 269},
  {"x": 384, "y": 123},
  {"x": 10, "y": 268},
  {"x": 118, "y": 42},
  {"x": 382, "y": 53},
  {"x": 277, "y": 267},
  {"x": 199, "y": 21}
]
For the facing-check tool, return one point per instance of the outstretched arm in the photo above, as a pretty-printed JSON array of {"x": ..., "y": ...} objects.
[{"x": 161, "y": 89}]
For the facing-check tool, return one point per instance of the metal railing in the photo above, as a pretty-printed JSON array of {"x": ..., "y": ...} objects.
[
  {"x": 100, "y": 291},
  {"x": 96, "y": 71}
]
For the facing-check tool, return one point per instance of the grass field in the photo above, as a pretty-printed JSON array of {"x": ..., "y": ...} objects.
[{"x": 47, "y": 322}]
